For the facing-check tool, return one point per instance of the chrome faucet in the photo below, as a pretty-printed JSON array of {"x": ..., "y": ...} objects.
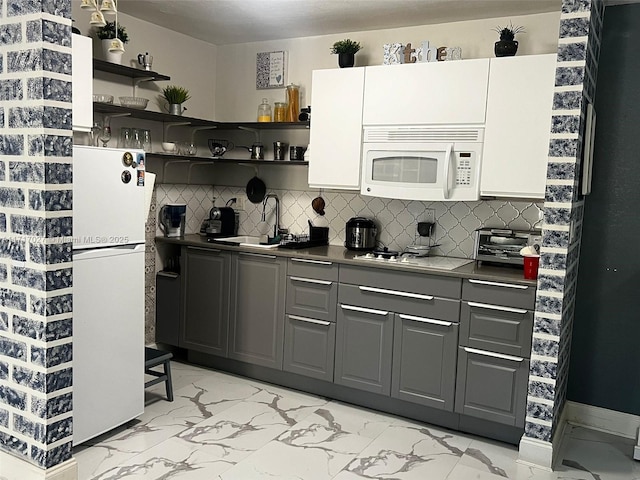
[{"x": 276, "y": 227}]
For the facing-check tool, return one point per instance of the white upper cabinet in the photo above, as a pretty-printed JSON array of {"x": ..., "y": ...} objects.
[
  {"x": 516, "y": 137},
  {"x": 82, "y": 77},
  {"x": 336, "y": 128},
  {"x": 442, "y": 93}
]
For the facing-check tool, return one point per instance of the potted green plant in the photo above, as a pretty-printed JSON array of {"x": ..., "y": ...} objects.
[
  {"x": 507, "y": 46},
  {"x": 346, "y": 50},
  {"x": 175, "y": 96},
  {"x": 112, "y": 45}
]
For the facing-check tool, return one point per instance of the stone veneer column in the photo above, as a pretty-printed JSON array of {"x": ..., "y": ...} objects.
[
  {"x": 576, "y": 71},
  {"x": 35, "y": 239}
]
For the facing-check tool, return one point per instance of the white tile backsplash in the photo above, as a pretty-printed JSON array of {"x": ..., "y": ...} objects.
[{"x": 397, "y": 219}]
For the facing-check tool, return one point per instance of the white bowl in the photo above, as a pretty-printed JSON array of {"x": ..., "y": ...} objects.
[
  {"x": 168, "y": 147},
  {"x": 134, "y": 102}
]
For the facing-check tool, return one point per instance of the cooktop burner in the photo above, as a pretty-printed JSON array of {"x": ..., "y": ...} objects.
[
  {"x": 385, "y": 253},
  {"x": 442, "y": 263}
]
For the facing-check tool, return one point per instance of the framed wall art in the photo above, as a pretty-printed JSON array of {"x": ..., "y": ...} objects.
[{"x": 271, "y": 70}]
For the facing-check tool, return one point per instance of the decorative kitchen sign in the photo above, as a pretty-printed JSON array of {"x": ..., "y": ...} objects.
[
  {"x": 271, "y": 70},
  {"x": 395, "y": 53},
  {"x": 392, "y": 53}
]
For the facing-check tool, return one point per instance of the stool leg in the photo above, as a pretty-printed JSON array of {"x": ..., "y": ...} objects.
[{"x": 169, "y": 384}]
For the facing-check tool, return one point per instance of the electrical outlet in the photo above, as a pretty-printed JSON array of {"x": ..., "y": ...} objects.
[
  {"x": 239, "y": 204},
  {"x": 429, "y": 216}
]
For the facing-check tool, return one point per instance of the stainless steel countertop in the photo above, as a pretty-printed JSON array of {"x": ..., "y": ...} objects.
[{"x": 339, "y": 254}]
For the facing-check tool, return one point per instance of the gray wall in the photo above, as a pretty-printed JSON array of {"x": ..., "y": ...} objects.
[{"x": 605, "y": 358}]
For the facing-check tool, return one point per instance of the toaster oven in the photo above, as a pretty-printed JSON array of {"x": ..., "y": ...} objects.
[{"x": 504, "y": 245}]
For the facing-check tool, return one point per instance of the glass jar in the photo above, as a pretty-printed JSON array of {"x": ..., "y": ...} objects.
[
  {"x": 280, "y": 112},
  {"x": 264, "y": 111},
  {"x": 293, "y": 103}
]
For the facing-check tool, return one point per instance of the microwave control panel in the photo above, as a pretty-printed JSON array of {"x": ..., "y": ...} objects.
[{"x": 464, "y": 171}]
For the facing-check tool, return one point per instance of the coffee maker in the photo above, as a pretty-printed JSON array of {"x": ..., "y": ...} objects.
[
  {"x": 173, "y": 219},
  {"x": 222, "y": 222}
]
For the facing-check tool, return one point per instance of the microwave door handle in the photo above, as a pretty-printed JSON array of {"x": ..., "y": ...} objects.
[{"x": 447, "y": 168}]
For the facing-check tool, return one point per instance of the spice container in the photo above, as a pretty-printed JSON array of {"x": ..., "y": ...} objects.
[
  {"x": 293, "y": 103},
  {"x": 280, "y": 112},
  {"x": 264, "y": 111}
]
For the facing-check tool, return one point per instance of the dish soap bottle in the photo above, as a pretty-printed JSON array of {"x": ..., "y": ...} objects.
[{"x": 264, "y": 111}]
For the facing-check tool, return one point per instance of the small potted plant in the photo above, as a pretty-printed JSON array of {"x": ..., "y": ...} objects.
[
  {"x": 175, "y": 96},
  {"x": 346, "y": 50},
  {"x": 112, "y": 45},
  {"x": 507, "y": 46}
]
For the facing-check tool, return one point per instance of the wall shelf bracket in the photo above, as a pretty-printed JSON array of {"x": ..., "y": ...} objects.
[
  {"x": 167, "y": 125},
  {"x": 248, "y": 129}
]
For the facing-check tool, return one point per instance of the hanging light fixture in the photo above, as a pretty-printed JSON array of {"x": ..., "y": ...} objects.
[
  {"x": 116, "y": 44},
  {"x": 97, "y": 19},
  {"x": 86, "y": 4},
  {"x": 109, "y": 7},
  {"x": 101, "y": 7}
]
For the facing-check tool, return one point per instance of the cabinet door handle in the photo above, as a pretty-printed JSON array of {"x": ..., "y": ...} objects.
[
  {"x": 496, "y": 307},
  {"x": 309, "y": 320},
  {"x": 306, "y": 260},
  {"x": 396, "y": 293},
  {"x": 203, "y": 249},
  {"x": 261, "y": 255},
  {"x": 365, "y": 310},
  {"x": 310, "y": 280},
  {"x": 432, "y": 321},
  {"x": 499, "y": 284},
  {"x": 492, "y": 354}
]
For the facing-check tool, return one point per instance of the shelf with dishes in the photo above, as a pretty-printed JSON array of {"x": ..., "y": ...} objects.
[
  {"x": 126, "y": 71},
  {"x": 112, "y": 109},
  {"x": 234, "y": 161}
]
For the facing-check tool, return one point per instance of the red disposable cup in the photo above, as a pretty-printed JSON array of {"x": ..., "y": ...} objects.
[{"x": 531, "y": 267}]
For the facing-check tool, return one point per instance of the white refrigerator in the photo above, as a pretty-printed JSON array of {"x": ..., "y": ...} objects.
[{"x": 108, "y": 288}]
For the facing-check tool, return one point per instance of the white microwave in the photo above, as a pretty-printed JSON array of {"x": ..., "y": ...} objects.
[{"x": 422, "y": 163}]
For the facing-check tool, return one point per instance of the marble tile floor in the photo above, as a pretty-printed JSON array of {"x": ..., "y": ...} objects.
[{"x": 225, "y": 427}]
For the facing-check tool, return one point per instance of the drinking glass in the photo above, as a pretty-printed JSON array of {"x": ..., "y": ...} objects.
[
  {"x": 94, "y": 134},
  {"x": 136, "y": 141},
  {"x": 125, "y": 138},
  {"x": 105, "y": 135},
  {"x": 146, "y": 140}
]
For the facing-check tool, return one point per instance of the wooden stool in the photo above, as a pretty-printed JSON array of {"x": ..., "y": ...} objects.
[{"x": 153, "y": 358}]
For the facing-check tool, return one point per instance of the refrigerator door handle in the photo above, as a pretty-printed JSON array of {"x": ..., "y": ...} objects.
[{"x": 87, "y": 253}]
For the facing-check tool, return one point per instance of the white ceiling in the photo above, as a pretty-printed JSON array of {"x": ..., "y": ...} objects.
[{"x": 222, "y": 22}]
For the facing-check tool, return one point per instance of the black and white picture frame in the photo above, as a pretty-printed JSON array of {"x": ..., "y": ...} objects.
[{"x": 271, "y": 70}]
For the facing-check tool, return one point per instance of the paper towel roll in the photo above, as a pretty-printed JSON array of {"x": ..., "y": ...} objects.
[{"x": 149, "y": 182}]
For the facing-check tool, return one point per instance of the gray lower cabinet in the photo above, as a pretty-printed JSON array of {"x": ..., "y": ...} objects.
[
  {"x": 168, "y": 305},
  {"x": 495, "y": 343},
  {"x": 364, "y": 342},
  {"x": 492, "y": 386},
  {"x": 256, "y": 325},
  {"x": 424, "y": 361},
  {"x": 206, "y": 300},
  {"x": 309, "y": 346}
]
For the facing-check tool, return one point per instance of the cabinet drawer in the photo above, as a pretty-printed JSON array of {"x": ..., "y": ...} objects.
[
  {"x": 310, "y": 297},
  {"x": 492, "y": 386},
  {"x": 400, "y": 302},
  {"x": 309, "y": 347},
  {"x": 402, "y": 281},
  {"x": 311, "y": 268},
  {"x": 496, "y": 328},
  {"x": 499, "y": 293}
]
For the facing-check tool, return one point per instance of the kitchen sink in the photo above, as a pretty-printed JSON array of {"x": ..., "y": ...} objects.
[{"x": 245, "y": 240}]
